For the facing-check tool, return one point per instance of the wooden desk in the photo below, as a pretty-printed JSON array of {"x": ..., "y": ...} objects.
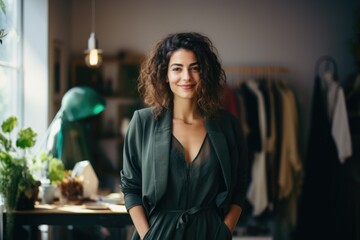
[
  {"x": 115, "y": 216},
  {"x": 72, "y": 215}
]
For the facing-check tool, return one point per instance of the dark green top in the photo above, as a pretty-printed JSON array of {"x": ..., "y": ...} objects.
[
  {"x": 148, "y": 163},
  {"x": 188, "y": 209}
]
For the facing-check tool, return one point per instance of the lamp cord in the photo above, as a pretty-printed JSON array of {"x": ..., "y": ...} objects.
[{"x": 93, "y": 16}]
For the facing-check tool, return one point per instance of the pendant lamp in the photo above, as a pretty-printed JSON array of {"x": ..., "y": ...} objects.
[{"x": 93, "y": 57}]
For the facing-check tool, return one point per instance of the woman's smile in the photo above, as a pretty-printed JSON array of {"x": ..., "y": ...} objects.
[
  {"x": 187, "y": 86},
  {"x": 183, "y": 74}
]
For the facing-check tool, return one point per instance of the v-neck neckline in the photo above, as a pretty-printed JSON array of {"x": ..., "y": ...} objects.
[{"x": 183, "y": 149}]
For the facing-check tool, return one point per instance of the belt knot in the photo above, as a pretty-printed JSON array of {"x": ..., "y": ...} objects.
[{"x": 185, "y": 215}]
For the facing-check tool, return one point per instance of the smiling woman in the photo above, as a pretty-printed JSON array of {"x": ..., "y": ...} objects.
[{"x": 184, "y": 171}]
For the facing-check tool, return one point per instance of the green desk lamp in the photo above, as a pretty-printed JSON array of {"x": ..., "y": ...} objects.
[
  {"x": 81, "y": 102},
  {"x": 67, "y": 132}
]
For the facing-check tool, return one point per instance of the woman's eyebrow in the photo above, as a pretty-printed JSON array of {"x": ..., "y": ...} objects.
[
  {"x": 180, "y": 65},
  {"x": 176, "y": 64}
]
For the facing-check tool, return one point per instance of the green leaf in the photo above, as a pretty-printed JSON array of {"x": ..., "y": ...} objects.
[
  {"x": 44, "y": 157},
  {"x": 6, "y": 159},
  {"x": 56, "y": 170},
  {"x": 26, "y": 138},
  {"x": 5, "y": 143},
  {"x": 9, "y": 124}
]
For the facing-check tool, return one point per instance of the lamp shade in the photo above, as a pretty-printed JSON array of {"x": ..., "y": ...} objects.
[{"x": 82, "y": 102}]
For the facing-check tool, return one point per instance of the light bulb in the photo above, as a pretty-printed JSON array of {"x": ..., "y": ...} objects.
[
  {"x": 93, "y": 58},
  {"x": 93, "y": 55}
]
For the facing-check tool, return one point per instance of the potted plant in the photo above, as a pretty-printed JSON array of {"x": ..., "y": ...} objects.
[
  {"x": 17, "y": 184},
  {"x": 51, "y": 173}
]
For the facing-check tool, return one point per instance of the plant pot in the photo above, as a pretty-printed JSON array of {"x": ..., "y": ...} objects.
[{"x": 27, "y": 203}]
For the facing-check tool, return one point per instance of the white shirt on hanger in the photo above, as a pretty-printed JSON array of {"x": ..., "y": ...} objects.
[
  {"x": 338, "y": 116},
  {"x": 257, "y": 192}
]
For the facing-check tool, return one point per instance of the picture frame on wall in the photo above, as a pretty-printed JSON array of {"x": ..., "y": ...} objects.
[
  {"x": 58, "y": 80},
  {"x": 57, "y": 67},
  {"x": 110, "y": 73}
]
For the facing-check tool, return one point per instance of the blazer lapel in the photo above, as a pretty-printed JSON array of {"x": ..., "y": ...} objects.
[
  {"x": 161, "y": 153},
  {"x": 219, "y": 142}
]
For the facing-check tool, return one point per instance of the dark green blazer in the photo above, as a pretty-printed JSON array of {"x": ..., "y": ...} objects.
[{"x": 147, "y": 152}]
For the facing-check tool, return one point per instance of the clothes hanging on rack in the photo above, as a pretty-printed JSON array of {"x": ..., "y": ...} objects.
[
  {"x": 322, "y": 201},
  {"x": 265, "y": 88},
  {"x": 317, "y": 218},
  {"x": 290, "y": 163},
  {"x": 338, "y": 116},
  {"x": 231, "y": 102},
  {"x": 257, "y": 192},
  {"x": 263, "y": 137},
  {"x": 268, "y": 109},
  {"x": 351, "y": 168}
]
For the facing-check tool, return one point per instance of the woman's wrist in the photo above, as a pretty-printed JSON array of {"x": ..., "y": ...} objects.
[
  {"x": 139, "y": 219},
  {"x": 230, "y": 225},
  {"x": 232, "y": 217},
  {"x": 143, "y": 233}
]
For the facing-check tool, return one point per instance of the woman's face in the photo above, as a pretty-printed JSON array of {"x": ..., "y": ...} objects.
[{"x": 183, "y": 74}]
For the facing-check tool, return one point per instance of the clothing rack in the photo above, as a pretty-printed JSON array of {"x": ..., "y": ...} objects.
[
  {"x": 236, "y": 75},
  {"x": 266, "y": 108},
  {"x": 256, "y": 70}
]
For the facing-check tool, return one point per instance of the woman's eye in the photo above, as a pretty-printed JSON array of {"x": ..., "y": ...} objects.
[
  {"x": 195, "y": 69},
  {"x": 176, "y": 69}
]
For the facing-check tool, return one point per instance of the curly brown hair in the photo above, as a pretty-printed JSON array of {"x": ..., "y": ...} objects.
[{"x": 152, "y": 84}]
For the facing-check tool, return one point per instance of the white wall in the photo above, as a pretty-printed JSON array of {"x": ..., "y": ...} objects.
[
  {"x": 293, "y": 34},
  {"x": 59, "y": 36},
  {"x": 36, "y": 65}
]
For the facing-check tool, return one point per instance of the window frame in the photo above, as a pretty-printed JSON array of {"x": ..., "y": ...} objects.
[{"x": 11, "y": 68}]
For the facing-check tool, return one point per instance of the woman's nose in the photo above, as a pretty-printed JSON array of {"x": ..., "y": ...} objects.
[{"x": 186, "y": 74}]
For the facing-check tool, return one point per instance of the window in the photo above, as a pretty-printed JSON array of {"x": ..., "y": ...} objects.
[{"x": 11, "y": 59}]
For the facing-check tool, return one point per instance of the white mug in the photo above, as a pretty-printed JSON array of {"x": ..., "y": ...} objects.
[{"x": 47, "y": 193}]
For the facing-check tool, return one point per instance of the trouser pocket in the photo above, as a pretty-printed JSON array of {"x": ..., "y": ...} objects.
[{"x": 223, "y": 232}]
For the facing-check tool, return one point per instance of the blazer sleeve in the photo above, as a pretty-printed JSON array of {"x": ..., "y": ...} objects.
[
  {"x": 131, "y": 172},
  {"x": 240, "y": 162}
]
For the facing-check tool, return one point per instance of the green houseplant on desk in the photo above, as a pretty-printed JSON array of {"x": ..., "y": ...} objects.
[
  {"x": 52, "y": 172},
  {"x": 17, "y": 184}
]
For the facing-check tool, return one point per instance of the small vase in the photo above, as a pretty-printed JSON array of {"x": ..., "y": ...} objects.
[{"x": 47, "y": 193}]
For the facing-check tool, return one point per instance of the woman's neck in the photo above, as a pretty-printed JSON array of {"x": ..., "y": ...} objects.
[{"x": 186, "y": 111}]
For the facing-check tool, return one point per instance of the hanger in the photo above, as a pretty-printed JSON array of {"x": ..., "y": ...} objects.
[
  {"x": 241, "y": 74},
  {"x": 326, "y": 64}
]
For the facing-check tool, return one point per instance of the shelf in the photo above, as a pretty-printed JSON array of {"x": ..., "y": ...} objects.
[
  {"x": 122, "y": 100},
  {"x": 116, "y": 80}
]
